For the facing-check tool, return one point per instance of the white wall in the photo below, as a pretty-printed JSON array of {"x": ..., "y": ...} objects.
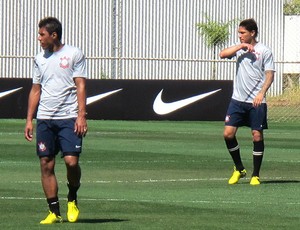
[{"x": 292, "y": 44}]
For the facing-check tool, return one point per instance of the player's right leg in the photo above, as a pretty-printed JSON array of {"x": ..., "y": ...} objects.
[
  {"x": 46, "y": 149},
  {"x": 50, "y": 187},
  {"x": 234, "y": 119},
  {"x": 234, "y": 150}
]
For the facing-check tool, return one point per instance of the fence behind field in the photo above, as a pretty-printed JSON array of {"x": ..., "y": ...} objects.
[{"x": 148, "y": 40}]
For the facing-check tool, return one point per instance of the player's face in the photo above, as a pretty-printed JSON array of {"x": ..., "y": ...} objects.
[
  {"x": 46, "y": 40},
  {"x": 245, "y": 36}
]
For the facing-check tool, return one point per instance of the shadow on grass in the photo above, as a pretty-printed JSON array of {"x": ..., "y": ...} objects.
[{"x": 94, "y": 221}]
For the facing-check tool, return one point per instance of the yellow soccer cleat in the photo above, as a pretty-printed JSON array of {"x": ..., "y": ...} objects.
[
  {"x": 73, "y": 211},
  {"x": 52, "y": 218},
  {"x": 236, "y": 176},
  {"x": 255, "y": 180}
]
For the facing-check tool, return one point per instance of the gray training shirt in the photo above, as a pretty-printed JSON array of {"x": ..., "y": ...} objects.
[
  {"x": 55, "y": 72},
  {"x": 250, "y": 72}
]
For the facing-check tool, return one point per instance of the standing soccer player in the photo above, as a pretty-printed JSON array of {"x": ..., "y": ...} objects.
[
  {"x": 58, "y": 94},
  {"x": 254, "y": 75}
]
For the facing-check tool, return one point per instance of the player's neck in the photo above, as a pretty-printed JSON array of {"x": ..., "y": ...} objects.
[
  {"x": 254, "y": 42},
  {"x": 56, "y": 47}
]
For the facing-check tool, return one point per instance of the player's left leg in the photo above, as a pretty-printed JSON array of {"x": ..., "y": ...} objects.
[
  {"x": 73, "y": 177},
  {"x": 71, "y": 144},
  {"x": 258, "y": 152},
  {"x": 258, "y": 122}
]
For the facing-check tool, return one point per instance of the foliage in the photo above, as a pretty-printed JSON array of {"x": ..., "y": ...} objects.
[
  {"x": 292, "y": 7},
  {"x": 215, "y": 33},
  {"x": 103, "y": 75}
]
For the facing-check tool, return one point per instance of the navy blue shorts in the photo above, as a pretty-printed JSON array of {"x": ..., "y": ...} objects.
[
  {"x": 53, "y": 136},
  {"x": 244, "y": 114}
]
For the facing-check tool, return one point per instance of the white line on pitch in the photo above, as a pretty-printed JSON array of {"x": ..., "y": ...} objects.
[
  {"x": 154, "y": 201},
  {"x": 134, "y": 181},
  {"x": 162, "y": 180}
]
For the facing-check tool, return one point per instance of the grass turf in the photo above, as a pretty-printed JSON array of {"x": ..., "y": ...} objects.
[{"x": 157, "y": 175}]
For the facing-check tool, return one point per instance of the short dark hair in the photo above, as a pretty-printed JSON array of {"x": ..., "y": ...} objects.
[
  {"x": 250, "y": 25},
  {"x": 52, "y": 25}
]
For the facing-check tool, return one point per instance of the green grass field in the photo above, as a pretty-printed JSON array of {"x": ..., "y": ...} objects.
[{"x": 157, "y": 175}]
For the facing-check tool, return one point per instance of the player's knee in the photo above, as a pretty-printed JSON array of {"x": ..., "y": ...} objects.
[
  {"x": 72, "y": 163},
  {"x": 229, "y": 132},
  {"x": 47, "y": 165},
  {"x": 228, "y": 135},
  {"x": 257, "y": 136},
  {"x": 47, "y": 170}
]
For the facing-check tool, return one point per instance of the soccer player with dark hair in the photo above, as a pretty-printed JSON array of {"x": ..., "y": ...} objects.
[
  {"x": 254, "y": 76},
  {"x": 58, "y": 93}
]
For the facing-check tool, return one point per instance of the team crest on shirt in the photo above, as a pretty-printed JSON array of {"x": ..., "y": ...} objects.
[
  {"x": 257, "y": 55},
  {"x": 64, "y": 62},
  {"x": 227, "y": 118},
  {"x": 42, "y": 146}
]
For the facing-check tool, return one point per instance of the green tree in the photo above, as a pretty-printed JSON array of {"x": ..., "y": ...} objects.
[
  {"x": 215, "y": 34},
  {"x": 292, "y": 7}
]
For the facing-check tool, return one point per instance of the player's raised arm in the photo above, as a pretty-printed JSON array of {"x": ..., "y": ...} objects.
[{"x": 231, "y": 51}]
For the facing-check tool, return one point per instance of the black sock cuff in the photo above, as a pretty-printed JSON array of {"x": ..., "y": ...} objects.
[
  {"x": 52, "y": 200},
  {"x": 53, "y": 204},
  {"x": 258, "y": 146},
  {"x": 231, "y": 143}
]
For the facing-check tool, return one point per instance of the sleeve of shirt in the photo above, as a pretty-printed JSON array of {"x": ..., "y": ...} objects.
[
  {"x": 36, "y": 79},
  {"x": 269, "y": 61},
  {"x": 79, "y": 65}
]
